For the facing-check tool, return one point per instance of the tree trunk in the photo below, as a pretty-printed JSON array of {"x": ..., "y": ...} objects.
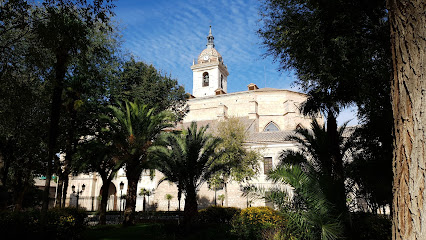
[
  {"x": 69, "y": 152},
  {"x": 104, "y": 201},
  {"x": 56, "y": 102},
  {"x": 408, "y": 45},
  {"x": 65, "y": 189},
  {"x": 179, "y": 197},
  {"x": 191, "y": 205},
  {"x": 336, "y": 170},
  {"x": 226, "y": 193},
  {"x": 129, "y": 211},
  {"x": 59, "y": 195}
]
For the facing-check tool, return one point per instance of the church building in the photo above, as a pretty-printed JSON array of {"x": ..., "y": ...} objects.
[{"x": 269, "y": 115}]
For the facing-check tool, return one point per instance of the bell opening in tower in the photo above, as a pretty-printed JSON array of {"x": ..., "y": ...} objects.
[{"x": 205, "y": 79}]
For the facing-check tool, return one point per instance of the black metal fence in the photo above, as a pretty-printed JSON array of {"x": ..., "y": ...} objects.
[{"x": 114, "y": 203}]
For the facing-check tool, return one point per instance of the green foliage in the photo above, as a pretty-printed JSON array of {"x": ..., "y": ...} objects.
[
  {"x": 253, "y": 222},
  {"x": 217, "y": 214},
  {"x": 145, "y": 192},
  {"x": 311, "y": 211},
  {"x": 321, "y": 41},
  {"x": 143, "y": 83},
  {"x": 237, "y": 162},
  {"x": 168, "y": 197},
  {"x": 221, "y": 198},
  {"x": 65, "y": 223},
  {"x": 134, "y": 127},
  {"x": 187, "y": 159}
]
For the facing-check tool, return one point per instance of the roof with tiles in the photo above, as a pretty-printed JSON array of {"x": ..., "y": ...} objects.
[
  {"x": 269, "y": 137},
  {"x": 253, "y": 136}
]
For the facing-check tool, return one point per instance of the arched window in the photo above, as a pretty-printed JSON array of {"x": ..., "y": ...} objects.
[
  {"x": 221, "y": 81},
  {"x": 205, "y": 79},
  {"x": 271, "y": 127}
]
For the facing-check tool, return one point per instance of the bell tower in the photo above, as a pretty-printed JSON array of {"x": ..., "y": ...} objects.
[{"x": 209, "y": 72}]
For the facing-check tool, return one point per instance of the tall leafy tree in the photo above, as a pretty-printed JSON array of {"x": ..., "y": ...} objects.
[
  {"x": 63, "y": 27},
  {"x": 143, "y": 83},
  {"x": 98, "y": 153},
  {"x": 408, "y": 38},
  {"x": 239, "y": 163},
  {"x": 23, "y": 102},
  {"x": 340, "y": 53},
  {"x": 135, "y": 127},
  {"x": 187, "y": 159},
  {"x": 86, "y": 93}
]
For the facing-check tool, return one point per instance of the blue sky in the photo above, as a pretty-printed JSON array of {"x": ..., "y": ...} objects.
[{"x": 170, "y": 34}]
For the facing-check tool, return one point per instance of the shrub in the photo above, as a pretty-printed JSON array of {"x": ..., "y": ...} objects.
[
  {"x": 217, "y": 214},
  {"x": 66, "y": 223},
  {"x": 254, "y": 222}
]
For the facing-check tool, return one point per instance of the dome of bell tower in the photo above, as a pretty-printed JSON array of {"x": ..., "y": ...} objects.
[{"x": 210, "y": 54}]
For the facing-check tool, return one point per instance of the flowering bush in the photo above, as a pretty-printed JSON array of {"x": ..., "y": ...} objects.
[{"x": 254, "y": 222}]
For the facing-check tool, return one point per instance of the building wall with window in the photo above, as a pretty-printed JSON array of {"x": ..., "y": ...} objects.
[{"x": 269, "y": 115}]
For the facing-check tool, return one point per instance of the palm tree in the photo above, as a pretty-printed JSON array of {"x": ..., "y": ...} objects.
[
  {"x": 314, "y": 208},
  {"x": 145, "y": 192},
  {"x": 168, "y": 197},
  {"x": 136, "y": 128},
  {"x": 221, "y": 198},
  {"x": 329, "y": 103},
  {"x": 187, "y": 159},
  {"x": 308, "y": 210}
]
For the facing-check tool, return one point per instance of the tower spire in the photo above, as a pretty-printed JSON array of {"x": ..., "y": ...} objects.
[{"x": 210, "y": 39}]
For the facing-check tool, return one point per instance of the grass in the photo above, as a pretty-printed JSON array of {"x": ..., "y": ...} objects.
[{"x": 157, "y": 231}]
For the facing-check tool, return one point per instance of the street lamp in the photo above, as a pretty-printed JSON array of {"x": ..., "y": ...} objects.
[
  {"x": 78, "y": 191},
  {"x": 121, "y": 194}
]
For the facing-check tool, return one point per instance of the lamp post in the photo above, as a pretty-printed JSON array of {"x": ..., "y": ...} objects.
[
  {"x": 121, "y": 194},
  {"x": 78, "y": 192}
]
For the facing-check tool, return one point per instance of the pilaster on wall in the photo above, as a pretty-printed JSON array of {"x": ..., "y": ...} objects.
[
  {"x": 253, "y": 113},
  {"x": 222, "y": 112},
  {"x": 289, "y": 106}
]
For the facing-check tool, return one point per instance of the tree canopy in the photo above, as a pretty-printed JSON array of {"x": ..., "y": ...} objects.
[{"x": 187, "y": 159}]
